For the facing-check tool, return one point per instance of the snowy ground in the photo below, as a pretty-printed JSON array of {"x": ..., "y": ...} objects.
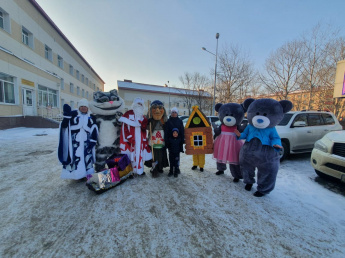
[{"x": 195, "y": 215}]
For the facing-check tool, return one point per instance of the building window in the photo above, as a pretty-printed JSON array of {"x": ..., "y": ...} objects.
[
  {"x": 78, "y": 90},
  {"x": 77, "y": 74},
  {"x": 97, "y": 89},
  {"x": 47, "y": 97},
  {"x": 82, "y": 78},
  {"x": 177, "y": 104},
  {"x": 184, "y": 104},
  {"x": 71, "y": 69},
  {"x": 5, "y": 20},
  {"x": 6, "y": 89},
  {"x": 87, "y": 94},
  {"x": 27, "y": 38},
  {"x": 62, "y": 103},
  {"x": 87, "y": 81},
  {"x": 62, "y": 84},
  {"x": 60, "y": 62},
  {"x": 48, "y": 53},
  {"x": 94, "y": 86},
  {"x": 2, "y": 22},
  {"x": 71, "y": 88},
  {"x": 72, "y": 105},
  {"x": 83, "y": 93}
]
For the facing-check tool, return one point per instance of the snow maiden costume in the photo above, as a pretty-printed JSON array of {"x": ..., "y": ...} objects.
[
  {"x": 226, "y": 146},
  {"x": 78, "y": 137},
  {"x": 133, "y": 140},
  {"x": 262, "y": 143}
]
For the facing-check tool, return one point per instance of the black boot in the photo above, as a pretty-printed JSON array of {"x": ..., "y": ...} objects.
[
  {"x": 170, "y": 173},
  {"x": 235, "y": 180},
  {"x": 194, "y": 167},
  {"x": 201, "y": 169},
  {"x": 177, "y": 170},
  {"x": 248, "y": 187},
  {"x": 219, "y": 172},
  {"x": 258, "y": 194}
]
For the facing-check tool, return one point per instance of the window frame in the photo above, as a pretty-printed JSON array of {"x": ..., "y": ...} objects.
[
  {"x": 48, "y": 53},
  {"x": 60, "y": 61},
  {"x": 3, "y": 84}
]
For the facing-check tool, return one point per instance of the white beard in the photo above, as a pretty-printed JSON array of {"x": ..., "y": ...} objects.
[{"x": 138, "y": 111}]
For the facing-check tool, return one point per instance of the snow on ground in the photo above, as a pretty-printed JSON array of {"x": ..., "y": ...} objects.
[{"x": 194, "y": 215}]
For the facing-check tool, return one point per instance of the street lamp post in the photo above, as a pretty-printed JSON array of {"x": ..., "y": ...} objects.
[
  {"x": 167, "y": 85},
  {"x": 215, "y": 74}
]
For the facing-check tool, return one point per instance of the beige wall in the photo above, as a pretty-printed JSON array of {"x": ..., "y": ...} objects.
[{"x": 339, "y": 80}]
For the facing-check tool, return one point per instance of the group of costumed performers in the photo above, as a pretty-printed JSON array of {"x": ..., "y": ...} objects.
[{"x": 145, "y": 140}]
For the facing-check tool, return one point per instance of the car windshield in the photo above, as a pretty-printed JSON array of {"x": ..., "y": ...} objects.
[{"x": 285, "y": 119}]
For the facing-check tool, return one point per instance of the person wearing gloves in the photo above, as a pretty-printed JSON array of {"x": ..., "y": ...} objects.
[
  {"x": 174, "y": 123},
  {"x": 78, "y": 137},
  {"x": 133, "y": 140}
]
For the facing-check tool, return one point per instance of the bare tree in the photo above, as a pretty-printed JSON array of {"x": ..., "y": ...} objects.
[
  {"x": 235, "y": 74},
  {"x": 283, "y": 70},
  {"x": 316, "y": 64},
  {"x": 194, "y": 91}
]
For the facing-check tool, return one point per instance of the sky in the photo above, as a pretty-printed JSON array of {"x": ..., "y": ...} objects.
[
  {"x": 157, "y": 41},
  {"x": 194, "y": 215}
]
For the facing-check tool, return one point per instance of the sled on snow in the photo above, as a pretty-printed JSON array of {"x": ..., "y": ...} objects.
[{"x": 119, "y": 170}]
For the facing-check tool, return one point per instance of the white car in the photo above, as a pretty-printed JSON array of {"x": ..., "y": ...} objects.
[
  {"x": 328, "y": 156},
  {"x": 299, "y": 130}
]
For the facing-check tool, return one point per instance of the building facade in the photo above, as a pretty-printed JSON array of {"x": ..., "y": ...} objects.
[
  {"x": 40, "y": 69},
  {"x": 170, "y": 96}
]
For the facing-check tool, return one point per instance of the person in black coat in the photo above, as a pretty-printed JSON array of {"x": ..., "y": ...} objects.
[
  {"x": 174, "y": 147},
  {"x": 174, "y": 123}
]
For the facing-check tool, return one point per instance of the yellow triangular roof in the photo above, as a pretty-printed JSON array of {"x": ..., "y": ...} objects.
[{"x": 201, "y": 115}]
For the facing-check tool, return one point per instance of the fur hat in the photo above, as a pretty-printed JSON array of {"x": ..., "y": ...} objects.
[
  {"x": 138, "y": 100},
  {"x": 174, "y": 109},
  {"x": 175, "y": 129},
  {"x": 83, "y": 103},
  {"x": 157, "y": 102}
]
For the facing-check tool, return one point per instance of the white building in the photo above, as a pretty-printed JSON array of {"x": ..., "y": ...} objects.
[
  {"x": 40, "y": 69},
  {"x": 170, "y": 96}
]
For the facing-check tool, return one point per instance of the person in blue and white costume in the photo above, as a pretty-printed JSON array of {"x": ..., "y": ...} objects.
[{"x": 78, "y": 138}]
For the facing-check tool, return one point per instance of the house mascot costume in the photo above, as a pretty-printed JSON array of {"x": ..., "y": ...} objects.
[
  {"x": 157, "y": 119},
  {"x": 226, "y": 146},
  {"x": 107, "y": 107},
  {"x": 133, "y": 140},
  {"x": 261, "y": 149},
  {"x": 78, "y": 137}
]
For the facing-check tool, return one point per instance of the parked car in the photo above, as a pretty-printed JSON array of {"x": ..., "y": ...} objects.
[
  {"x": 213, "y": 119},
  {"x": 183, "y": 117},
  {"x": 299, "y": 130},
  {"x": 328, "y": 156}
]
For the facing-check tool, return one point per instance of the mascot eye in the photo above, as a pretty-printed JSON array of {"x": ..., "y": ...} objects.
[
  {"x": 257, "y": 113},
  {"x": 103, "y": 99},
  {"x": 114, "y": 98},
  {"x": 226, "y": 114},
  {"x": 231, "y": 114},
  {"x": 265, "y": 114}
]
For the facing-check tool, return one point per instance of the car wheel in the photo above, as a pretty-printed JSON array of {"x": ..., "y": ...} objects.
[
  {"x": 320, "y": 174},
  {"x": 284, "y": 152}
]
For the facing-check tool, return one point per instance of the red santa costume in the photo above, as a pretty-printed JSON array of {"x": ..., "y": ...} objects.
[{"x": 133, "y": 140}]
